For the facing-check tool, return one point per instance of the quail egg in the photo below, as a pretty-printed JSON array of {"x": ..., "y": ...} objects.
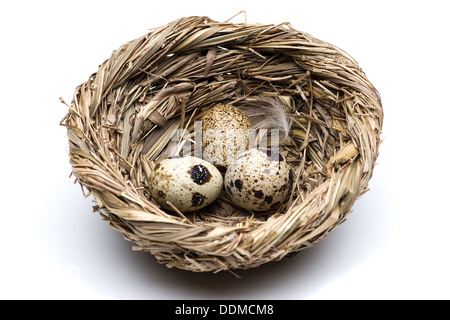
[
  {"x": 188, "y": 183},
  {"x": 226, "y": 132},
  {"x": 259, "y": 180}
]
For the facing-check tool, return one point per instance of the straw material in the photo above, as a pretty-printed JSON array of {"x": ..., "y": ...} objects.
[{"x": 123, "y": 119}]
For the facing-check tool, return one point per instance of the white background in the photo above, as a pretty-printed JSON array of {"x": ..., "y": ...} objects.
[{"x": 393, "y": 246}]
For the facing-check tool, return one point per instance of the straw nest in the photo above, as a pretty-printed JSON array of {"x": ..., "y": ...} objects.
[{"x": 123, "y": 119}]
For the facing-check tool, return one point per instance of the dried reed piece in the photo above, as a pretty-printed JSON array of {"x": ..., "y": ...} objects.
[{"x": 123, "y": 119}]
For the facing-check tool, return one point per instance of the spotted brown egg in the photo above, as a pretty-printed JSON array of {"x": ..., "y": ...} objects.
[
  {"x": 226, "y": 132},
  {"x": 188, "y": 183},
  {"x": 259, "y": 180}
]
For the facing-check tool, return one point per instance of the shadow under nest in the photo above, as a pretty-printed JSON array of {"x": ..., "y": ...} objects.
[{"x": 122, "y": 121}]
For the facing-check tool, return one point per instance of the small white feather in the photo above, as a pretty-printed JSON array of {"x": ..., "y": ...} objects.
[{"x": 268, "y": 114}]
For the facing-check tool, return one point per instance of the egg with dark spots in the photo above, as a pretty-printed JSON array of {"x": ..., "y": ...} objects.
[
  {"x": 226, "y": 132},
  {"x": 188, "y": 183},
  {"x": 259, "y": 180}
]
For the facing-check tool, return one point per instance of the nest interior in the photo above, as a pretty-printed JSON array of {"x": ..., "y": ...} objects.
[{"x": 123, "y": 118}]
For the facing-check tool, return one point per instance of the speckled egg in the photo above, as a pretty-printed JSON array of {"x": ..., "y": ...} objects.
[
  {"x": 226, "y": 132},
  {"x": 189, "y": 183},
  {"x": 259, "y": 180}
]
